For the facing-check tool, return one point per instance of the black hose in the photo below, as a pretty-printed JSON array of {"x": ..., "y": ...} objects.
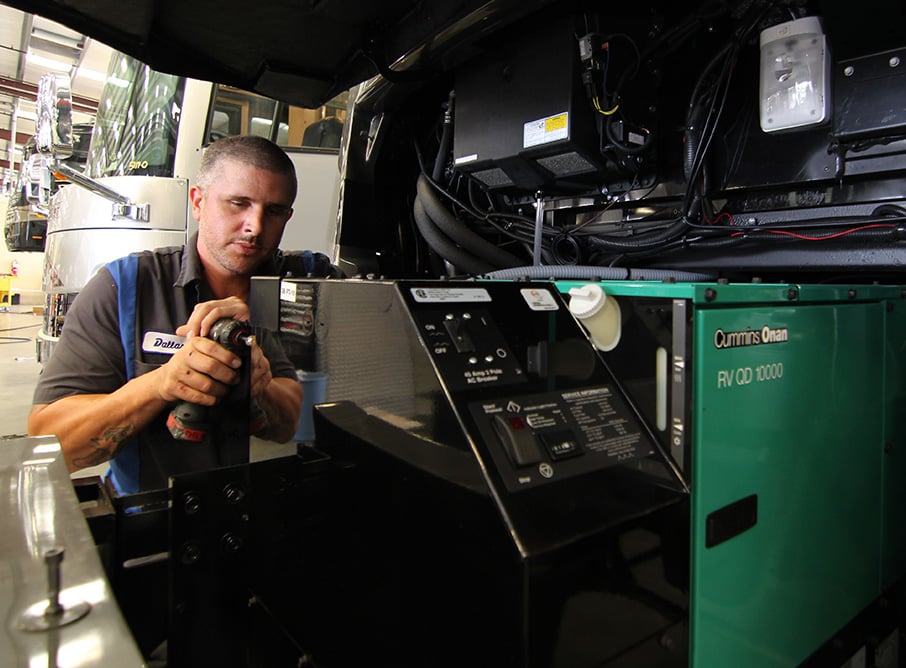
[
  {"x": 765, "y": 235},
  {"x": 889, "y": 210},
  {"x": 618, "y": 142},
  {"x": 890, "y": 234},
  {"x": 442, "y": 245},
  {"x": 584, "y": 272},
  {"x": 641, "y": 243},
  {"x": 446, "y": 140},
  {"x": 459, "y": 233},
  {"x": 692, "y": 139}
]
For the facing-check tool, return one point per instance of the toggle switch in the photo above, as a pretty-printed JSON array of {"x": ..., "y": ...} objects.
[{"x": 518, "y": 440}]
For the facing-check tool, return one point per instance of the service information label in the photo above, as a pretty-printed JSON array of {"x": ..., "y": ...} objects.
[
  {"x": 604, "y": 429},
  {"x": 545, "y": 130}
]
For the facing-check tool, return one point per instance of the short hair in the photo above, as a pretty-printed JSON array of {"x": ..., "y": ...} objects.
[{"x": 252, "y": 150}]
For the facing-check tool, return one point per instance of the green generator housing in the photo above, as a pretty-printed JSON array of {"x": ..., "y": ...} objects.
[{"x": 784, "y": 406}]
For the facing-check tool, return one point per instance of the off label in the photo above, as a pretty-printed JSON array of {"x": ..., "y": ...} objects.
[{"x": 746, "y": 375}]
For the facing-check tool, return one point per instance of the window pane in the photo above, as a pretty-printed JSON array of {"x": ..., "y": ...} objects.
[
  {"x": 323, "y": 127},
  {"x": 239, "y": 112},
  {"x": 137, "y": 121}
]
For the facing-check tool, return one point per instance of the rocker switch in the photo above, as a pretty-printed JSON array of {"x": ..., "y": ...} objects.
[{"x": 518, "y": 440}]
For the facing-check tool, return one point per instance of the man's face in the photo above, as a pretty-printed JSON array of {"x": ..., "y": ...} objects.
[{"x": 241, "y": 216}]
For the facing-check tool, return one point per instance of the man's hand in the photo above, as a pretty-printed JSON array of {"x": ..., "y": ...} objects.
[
  {"x": 201, "y": 372},
  {"x": 260, "y": 371},
  {"x": 205, "y": 314}
]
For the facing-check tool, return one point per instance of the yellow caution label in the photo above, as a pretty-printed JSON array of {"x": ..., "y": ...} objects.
[{"x": 554, "y": 123}]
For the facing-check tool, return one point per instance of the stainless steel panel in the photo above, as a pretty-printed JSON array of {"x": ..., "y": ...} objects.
[{"x": 39, "y": 513}]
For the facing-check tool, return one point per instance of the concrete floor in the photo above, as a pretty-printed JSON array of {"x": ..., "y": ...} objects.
[{"x": 19, "y": 370}]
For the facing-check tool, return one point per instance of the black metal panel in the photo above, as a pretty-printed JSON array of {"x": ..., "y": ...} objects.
[
  {"x": 423, "y": 570},
  {"x": 428, "y": 541},
  {"x": 870, "y": 96},
  {"x": 209, "y": 547}
]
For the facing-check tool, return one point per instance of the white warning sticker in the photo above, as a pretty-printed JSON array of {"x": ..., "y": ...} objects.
[
  {"x": 545, "y": 130},
  {"x": 539, "y": 300}
]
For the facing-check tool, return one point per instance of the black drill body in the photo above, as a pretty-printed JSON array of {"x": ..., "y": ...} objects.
[{"x": 188, "y": 421}]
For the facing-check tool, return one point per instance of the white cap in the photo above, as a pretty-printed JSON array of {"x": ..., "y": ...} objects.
[
  {"x": 586, "y": 300},
  {"x": 598, "y": 313}
]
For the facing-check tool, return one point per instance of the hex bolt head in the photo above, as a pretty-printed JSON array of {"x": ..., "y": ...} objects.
[
  {"x": 191, "y": 503},
  {"x": 190, "y": 553},
  {"x": 231, "y": 543},
  {"x": 233, "y": 493}
]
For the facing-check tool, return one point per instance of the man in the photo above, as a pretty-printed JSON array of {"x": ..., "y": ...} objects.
[{"x": 134, "y": 343}]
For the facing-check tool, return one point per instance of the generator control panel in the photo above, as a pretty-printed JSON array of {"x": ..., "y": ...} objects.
[{"x": 539, "y": 404}]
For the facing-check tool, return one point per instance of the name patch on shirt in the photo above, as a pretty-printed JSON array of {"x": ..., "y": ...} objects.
[{"x": 158, "y": 342}]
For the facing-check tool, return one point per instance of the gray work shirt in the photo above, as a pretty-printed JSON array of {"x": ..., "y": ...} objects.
[{"x": 89, "y": 359}]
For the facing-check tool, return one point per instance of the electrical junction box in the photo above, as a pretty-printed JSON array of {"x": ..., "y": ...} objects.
[
  {"x": 783, "y": 406},
  {"x": 521, "y": 117}
]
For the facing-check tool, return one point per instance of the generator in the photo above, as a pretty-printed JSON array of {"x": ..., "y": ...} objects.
[{"x": 724, "y": 485}]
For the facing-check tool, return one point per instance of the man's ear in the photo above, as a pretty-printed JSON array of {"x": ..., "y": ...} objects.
[{"x": 196, "y": 196}]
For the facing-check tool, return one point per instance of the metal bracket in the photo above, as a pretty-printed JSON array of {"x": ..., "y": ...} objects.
[{"x": 123, "y": 207}]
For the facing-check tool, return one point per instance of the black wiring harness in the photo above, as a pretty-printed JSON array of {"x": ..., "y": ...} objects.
[{"x": 479, "y": 230}]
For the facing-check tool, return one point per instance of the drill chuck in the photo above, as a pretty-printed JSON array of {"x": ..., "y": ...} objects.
[{"x": 233, "y": 335}]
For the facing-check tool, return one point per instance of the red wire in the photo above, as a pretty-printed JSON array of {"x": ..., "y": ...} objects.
[
  {"x": 721, "y": 216},
  {"x": 824, "y": 238}
]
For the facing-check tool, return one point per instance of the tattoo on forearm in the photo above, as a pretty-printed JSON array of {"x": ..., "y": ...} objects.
[{"x": 105, "y": 446}]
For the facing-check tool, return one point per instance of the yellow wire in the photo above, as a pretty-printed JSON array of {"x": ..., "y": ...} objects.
[{"x": 609, "y": 112}]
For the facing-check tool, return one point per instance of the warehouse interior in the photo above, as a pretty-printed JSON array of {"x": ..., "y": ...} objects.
[{"x": 604, "y": 364}]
